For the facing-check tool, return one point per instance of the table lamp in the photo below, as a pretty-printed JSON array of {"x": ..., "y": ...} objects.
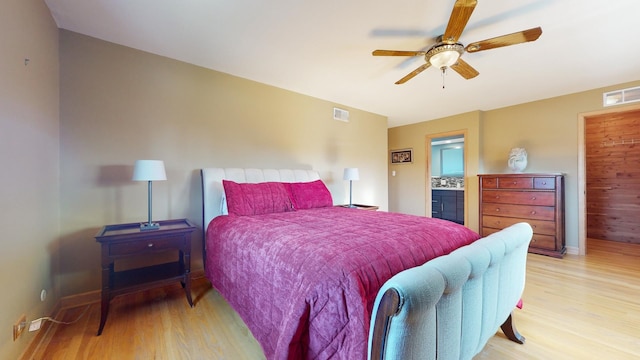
[
  {"x": 149, "y": 170},
  {"x": 351, "y": 174}
]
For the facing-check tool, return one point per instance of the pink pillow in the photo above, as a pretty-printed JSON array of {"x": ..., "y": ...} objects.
[
  {"x": 308, "y": 195},
  {"x": 254, "y": 199}
]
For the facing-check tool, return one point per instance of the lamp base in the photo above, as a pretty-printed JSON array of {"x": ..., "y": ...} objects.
[{"x": 149, "y": 226}]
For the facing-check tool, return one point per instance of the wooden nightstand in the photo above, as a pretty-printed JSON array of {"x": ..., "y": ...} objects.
[
  {"x": 125, "y": 241},
  {"x": 361, "y": 207}
]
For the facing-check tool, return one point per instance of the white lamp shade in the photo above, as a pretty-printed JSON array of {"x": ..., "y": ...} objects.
[
  {"x": 149, "y": 170},
  {"x": 351, "y": 174}
]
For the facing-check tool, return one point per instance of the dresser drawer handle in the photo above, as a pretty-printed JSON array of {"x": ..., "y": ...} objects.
[
  {"x": 533, "y": 198},
  {"x": 150, "y": 245},
  {"x": 497, "y": 209},
  {"x": 533, "y": 213},
  {"x": 515, "y": 182},
  {"x": 497, "y": 196}
]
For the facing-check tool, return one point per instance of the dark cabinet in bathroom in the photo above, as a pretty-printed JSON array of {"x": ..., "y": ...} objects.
[{"x": 448, "y": 205}]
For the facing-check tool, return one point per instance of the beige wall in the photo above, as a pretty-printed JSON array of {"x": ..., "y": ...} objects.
[
  {"x": 548, "y": 129},
  {"x": 69, "y": 138},
  {"x": 120, "y": 104},
  {"x": 407, "y": 189},
  {"x": 29, "y": 141}
]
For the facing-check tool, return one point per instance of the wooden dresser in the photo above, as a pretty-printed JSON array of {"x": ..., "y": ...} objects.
[{"x": 538, "y": 199}]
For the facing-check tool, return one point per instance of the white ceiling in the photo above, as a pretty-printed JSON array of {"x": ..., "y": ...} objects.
[{"x": 323, "y": 48}]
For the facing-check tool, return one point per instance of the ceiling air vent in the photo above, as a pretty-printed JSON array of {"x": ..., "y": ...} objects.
[
  {"x": 621, "y": 96},
  {"x": 340, "y": 114}
]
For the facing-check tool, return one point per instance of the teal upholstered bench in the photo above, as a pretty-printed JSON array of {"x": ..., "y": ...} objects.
[{"x": 451, "y": 306}]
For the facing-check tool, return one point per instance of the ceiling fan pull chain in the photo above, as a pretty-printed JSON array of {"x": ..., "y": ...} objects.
[{"x": 443, "y": 73}]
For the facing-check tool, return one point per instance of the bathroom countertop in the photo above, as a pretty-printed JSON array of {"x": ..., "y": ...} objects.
[{"x": 447, "y": 188}]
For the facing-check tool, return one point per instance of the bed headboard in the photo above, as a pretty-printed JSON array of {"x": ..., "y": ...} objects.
[{"x": 212, "y": 184}]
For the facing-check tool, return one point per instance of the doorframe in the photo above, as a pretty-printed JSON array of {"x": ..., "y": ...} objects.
[
  {"x": 582, "y": 173},
  {"x": 428, "y": 139}
]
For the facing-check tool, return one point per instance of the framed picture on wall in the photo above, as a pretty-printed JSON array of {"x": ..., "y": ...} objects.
[{"x": 403, "y": 156}]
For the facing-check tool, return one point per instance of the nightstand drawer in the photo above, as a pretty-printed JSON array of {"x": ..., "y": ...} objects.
[{"x": 141, "y": 246}]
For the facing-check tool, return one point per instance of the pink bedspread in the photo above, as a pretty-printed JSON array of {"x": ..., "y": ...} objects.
[{"x": 305, "y": 281}]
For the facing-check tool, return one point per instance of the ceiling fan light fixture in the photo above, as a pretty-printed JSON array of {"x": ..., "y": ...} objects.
[
  {"x": 444, "y": 55},
  {"x": 446, "y": 51}
]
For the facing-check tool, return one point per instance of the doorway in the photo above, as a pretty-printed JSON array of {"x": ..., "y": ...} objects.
[
  {"x": 445, "y": 166},
  {"x": 609, "y": 179},
  {"x": 612, "y": 150}
]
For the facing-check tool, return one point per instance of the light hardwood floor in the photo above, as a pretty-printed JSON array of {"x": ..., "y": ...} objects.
[{"x": 574, "y": 308}]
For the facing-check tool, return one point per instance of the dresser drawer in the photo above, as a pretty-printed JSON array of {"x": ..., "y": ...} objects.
[
  {"x": 547, "y": 242},
  {"x": 141, "y": 246},
  {"x": 538, "y": 226},
  {"x": 515, "y": 183},
  {"x": 541, "y": 198},
  {"x": 488, "y": 231},
  {"x": 489, "y": 182},
  {"x": 547, "y": 183},
  {"x": 519, "y": 211}
]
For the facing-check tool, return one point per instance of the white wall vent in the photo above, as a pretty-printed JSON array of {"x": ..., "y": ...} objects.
[
  {"x": 340, "y": 114},
  {"x": 621, "y": 96}
]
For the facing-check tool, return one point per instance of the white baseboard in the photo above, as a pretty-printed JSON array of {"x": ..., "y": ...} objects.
[{"x": 572, "y": 250}]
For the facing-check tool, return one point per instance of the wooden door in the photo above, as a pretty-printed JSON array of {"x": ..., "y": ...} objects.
[{"x": 612, "y": 151}]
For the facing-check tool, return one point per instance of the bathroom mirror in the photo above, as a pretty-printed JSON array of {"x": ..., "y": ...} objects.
[
  {"x": 447, "y": 156},
  {"x": 452, "y": 161}
]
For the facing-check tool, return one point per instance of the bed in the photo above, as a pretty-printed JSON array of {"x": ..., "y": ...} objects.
[{"x": 304, "y": 275}]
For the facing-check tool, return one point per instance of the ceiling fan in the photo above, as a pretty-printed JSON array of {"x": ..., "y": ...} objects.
[{"x": 447, "y": 50}]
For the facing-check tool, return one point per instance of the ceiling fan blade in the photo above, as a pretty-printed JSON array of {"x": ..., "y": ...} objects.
[
  {"x": 458, "y": 20},
  {"x": 464, "y": 69},
  {"x": 413, "y": 73},
  {"x": 397, "y": 53},
  {"x": 505, "y": 40}
]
